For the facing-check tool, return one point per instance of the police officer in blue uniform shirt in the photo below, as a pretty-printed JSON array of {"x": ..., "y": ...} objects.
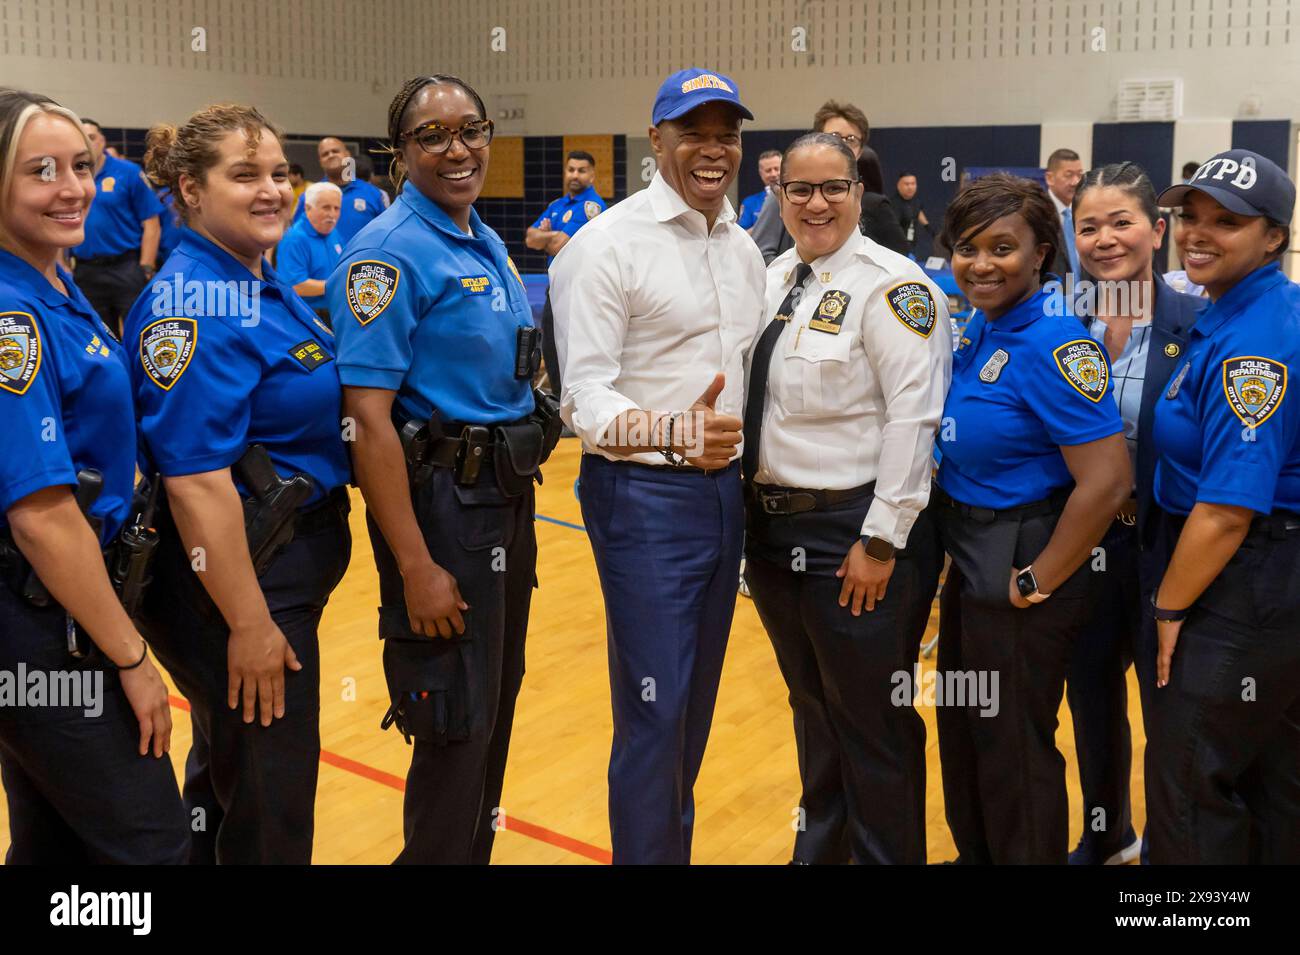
[
  {"x": 311, "y": 248},
  {"x": 437, "y": 350},
  {"x": 120, "y": 250},
  {"x": 239, "y": 404},
  {"x": 846, "y": 386},
  {"x": 569, "y": 213},
  {"x": 1223, "y": 775},
  {"x": 769, "y": 170},
  {"x": 1143, "y": 325},
  {"x": 1033, "y": 469},
  {"x": 171, "y": 225},
  {"x": 361, "y": 201},
  {"x": 84, "y": 777}
]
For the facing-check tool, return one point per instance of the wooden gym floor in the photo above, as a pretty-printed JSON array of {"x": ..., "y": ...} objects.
[{"x": 555, "y": 790}]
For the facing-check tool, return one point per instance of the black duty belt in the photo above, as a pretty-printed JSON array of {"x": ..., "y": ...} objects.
[
  {"x": 987, "y": 515},
  {"x": 100, "y": 261},
  {"x": 1277, "y": 525},
  {"x": 773, "y": 499},
  {"x": 322, "y": 514}
]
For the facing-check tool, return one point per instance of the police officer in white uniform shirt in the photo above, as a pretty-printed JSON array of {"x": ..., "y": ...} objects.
[
  {"x": 657, "y": 303},
  {"x": 845, "y": 393}
]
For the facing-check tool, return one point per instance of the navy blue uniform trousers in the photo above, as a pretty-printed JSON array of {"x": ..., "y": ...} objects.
[
  {"x": 464, "y": 687},
  {"x": 1223, "y": 747},
  {"x": 78, "y": 790},
  {"x": 861, "y": 753},
  {"x": 250, "y": 789},
  {"x": 667, "y": 544}
]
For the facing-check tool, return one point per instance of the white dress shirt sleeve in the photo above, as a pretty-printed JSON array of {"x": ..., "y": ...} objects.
[
  {"x": 914, "y": 373},
  {"x": 591, "y": 317}
]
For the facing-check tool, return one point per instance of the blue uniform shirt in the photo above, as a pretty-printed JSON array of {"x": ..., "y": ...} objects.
[
  {"x": 425, "y": 310},
  {"x": 124, "y": 200},
  {"x": 1225, "y": 432},
  {"x": 65, "y": 397},
  {"x": 568, "y": 213},
  {"x": 1022, "y": 386},
  {"x": 362, "y": 203},
  {"x": 305, "y": 254},
  {"x": 750, "y": 207},
  {"x": 221, "y": 361}
]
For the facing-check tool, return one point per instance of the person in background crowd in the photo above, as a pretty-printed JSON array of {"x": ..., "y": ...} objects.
[
  {"x": 910, "y": 212},
  {"x": 879, "y": 219},
  {"x": 117, "y": 257},
  {"x": 569, "y": 213},
  {"x": 362, "y": 202},
  {"x": 310, "y": 249},
  {"x": 769, "y": 171},
  {"x": 298, "y": 180},
  {"x": 1064, "y": 170}
]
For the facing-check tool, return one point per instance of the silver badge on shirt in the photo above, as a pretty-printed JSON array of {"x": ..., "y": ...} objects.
[
  {"x": 1177, "y": 382},
  {"x": 993, "y": 367}
]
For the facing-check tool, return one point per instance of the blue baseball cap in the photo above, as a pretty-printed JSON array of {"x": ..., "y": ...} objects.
[
  {"x": 1241, "y": 181},
  {"x": 687, "y": 89}
]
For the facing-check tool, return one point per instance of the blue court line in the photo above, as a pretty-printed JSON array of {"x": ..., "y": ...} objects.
[{"x": 552, "y": 520}]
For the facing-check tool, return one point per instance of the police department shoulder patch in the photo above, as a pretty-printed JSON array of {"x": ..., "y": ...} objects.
[
  {"x": 1084, "y": 367},
  {"x": 370, "y": 285},
  {"x": 830, "y": 312},
  {"x": 1254, "y": 387},
  {"x": 20, "y": 351},
  {"x": 913, "y": 305},
  {"x": 166, "y": 348},
  {"x": 592, "y": 208}
]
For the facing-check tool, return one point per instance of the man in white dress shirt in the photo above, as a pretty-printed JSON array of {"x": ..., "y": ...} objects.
[{"x": 656, "y": 305}]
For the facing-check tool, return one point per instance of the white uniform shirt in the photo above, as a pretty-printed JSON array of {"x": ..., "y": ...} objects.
[
  {"x": 863, "y": 404},
  {"x": 649, "y": 306}
]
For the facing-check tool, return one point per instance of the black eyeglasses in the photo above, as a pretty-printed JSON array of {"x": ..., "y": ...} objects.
[
  {"x": 849, "y": 138},
  {"x": 832, "y": 190},
  {"x": 435, "y": 138}
]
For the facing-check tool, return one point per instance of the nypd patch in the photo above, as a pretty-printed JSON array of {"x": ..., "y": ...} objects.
[
  {"x": 1084, "y": 367},
  {"x": 913, "y": 305},
  {"x": 992, "y": 369},
  {"x": 830, "y": 312},
  {"x": 166, "y": 348},
  {"x": 370, "y": 286},
  {"x": 20, "y": 351},
  {"x": 592, "y": 208},
  {"x": 1254, "y": 387}
]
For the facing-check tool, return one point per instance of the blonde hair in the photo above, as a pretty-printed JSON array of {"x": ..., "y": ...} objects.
[
  {"x": 17, "y": 109},
  {"x": 191, "y": 149}
]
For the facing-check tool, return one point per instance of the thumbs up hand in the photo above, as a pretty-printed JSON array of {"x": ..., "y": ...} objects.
[{"x": 706, "y": 439}]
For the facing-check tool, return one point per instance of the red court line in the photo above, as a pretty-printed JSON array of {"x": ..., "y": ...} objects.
[{"x": 512, "y": 823}]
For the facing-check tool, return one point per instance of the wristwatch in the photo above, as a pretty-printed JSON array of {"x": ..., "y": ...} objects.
[
  {"x": 878, "y": 549},
  {"x": 1167, "y": 616},
  {"x": 1027, "y": 584}
]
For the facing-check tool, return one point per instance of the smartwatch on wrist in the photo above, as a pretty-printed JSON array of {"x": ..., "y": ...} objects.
[
  {"x": 1027, "y": 584},
  {"x": 1167, "y": 616},
  {"x": 878, "y": 549}
]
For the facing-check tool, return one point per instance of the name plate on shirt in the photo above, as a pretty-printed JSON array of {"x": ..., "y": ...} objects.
[
  {"x": 474, "y": 284},
  {"x": 309, "y": 354}
]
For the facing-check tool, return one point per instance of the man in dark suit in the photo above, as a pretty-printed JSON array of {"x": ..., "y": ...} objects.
[{"x": 1064, "y": 170}]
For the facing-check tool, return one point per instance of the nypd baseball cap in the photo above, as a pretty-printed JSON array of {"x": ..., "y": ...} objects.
[
  {"x": 1241, "y": 181},
  {"x": 687, "y": 89}
]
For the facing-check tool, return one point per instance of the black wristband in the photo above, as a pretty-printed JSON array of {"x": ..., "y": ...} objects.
[
  {"x": 143, "y": 653},
  {"x": 1167, "y": 616}
]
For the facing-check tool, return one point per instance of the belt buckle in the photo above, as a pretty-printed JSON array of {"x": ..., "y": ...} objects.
[
  {"x": 983, "y": 515},
  {"x": 772, "y": 500}
]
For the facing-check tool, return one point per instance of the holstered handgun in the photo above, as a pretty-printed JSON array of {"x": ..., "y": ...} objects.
[
  {"x": 270, "y": 509},
  {"x": 133, "y": 552}
]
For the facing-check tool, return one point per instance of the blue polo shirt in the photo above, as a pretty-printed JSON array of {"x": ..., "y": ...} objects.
[
  {"x": 124, "y": 200},
  {"x": 65, "y": 396},
  {"x": 1023, "y": 386},
  {"x": 171, "y": 224},
  {"x": 568, "y": 213},
  {"x": 750, "y": 207},
  {"x": 221, "y": 360},
  {"x": 425, "y": 310},
  {"x": 362, "y": 203},
  {"x": 1225, "y": 430},
  {"x": 305, "y": 254}
]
